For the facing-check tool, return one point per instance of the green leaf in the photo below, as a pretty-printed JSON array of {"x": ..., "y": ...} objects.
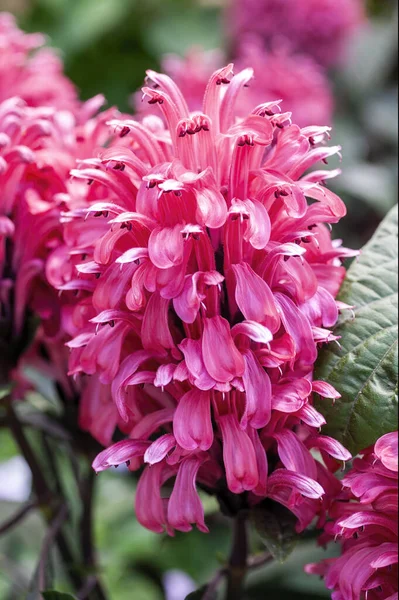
[
  {"x": 5, "y": 390},
  {"x": 365, "y": 369},
  {"x": 275, "y": 525},
  {"x": 198, "y": 594},
  {"x": 53, "y": 595}
]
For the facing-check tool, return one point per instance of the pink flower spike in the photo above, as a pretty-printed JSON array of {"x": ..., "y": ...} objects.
[{"x": 119, "y": 453}]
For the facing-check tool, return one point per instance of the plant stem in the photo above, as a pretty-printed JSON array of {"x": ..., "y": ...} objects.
[
  {"x": 86, "y": 536},
  {"x": 15, "y": 519},
  {"x": 50, "y": 537},
  {"x": 43, "y": 493},
  {"x": 238, "y": 559}
]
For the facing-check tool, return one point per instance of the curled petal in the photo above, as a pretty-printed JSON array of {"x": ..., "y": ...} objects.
[
  {"x": 192, "y": 424},
  {"x": 255, "y": 331},
  {"x": 303, "y": 485},
  {"x": 119, "y": 453},
  {"x": 159, "y": 449},
  {"x": 258, "y": 407},
  {"x": 325, "y": 390},
  {"x": 294, "y": 455},
  {"x": 239, "y": 456},
  {"x": 254, "y": 297},
  {"x": 221, "y": 357},
  {"x": 386, "y": 448},
  {"x": 185, "y": 506},
  {"x": 331, "y": 446},
  {"x": 166, "y": 246}
]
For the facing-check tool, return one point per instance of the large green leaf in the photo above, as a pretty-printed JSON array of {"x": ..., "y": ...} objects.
[
  {"x": 275, "y": 525},
  {"x": 365, "y": 369}
]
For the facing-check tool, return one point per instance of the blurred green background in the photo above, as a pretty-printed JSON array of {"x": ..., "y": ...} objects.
[{"x": 107, "y": 45}]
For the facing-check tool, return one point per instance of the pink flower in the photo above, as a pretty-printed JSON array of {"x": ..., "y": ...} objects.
[
  {"x": 297, "y": 80},
  {"x": 365, "y": 517},
  {"x": 320, "y": 29},
  {"x": 32, "y": 72},
  {"x": 205, "y": 280}
]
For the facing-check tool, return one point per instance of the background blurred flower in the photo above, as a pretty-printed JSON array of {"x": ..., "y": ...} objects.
[
  {"x": 30, "y": 71},
  {"x": 317, "y": 28},
  {"x": 296, "y": 80}
]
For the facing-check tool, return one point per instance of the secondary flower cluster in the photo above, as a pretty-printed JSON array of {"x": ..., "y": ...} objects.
[
  {"x": 30, "y": 71},
  {"x": 366, "y": 521},
  {"x": 28, "y": 183},
  {"x": 206, "y": 278},
  {"x": 39, "y": 145},
  {"x": 297, "y": 80},
  {"x": 317, "y": 28}
]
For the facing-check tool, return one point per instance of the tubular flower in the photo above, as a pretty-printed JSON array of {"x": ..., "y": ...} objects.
[
  {"x": 366, "y": 521},
  {"x": 297, "y": 80},
  {"x": 317, "y": 28},
  {"x": 206, "y": 282},
  {"x": 30, "y": 71}
]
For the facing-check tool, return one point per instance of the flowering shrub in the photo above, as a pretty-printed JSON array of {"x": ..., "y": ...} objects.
[
  {"x": 318, "y": 28},
  {"x": 207, "y": 283},
  {"x": 366, "y": 521},
  {"x": 175, "y": 277}
]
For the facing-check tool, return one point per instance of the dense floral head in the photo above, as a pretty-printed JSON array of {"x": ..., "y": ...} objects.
[
  {"x": 206, "y": 275},
  {"x": 318, "y": 28},
  {"x": 297, "y": 80},
  {"x": 366, "y": 523},
  {"x": 30, "y": 71}
]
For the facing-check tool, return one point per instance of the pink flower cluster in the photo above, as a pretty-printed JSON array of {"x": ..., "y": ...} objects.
[
  {"x": 31, "y": 72},
  {"x": 28, "y": 182},
  {"x": 297, "y": 80},
  {"x": 206, "y": 282},
  {"x": 39, "y": 145},
  {"x": 320, "y": 29},
  {"x": 366, "y": 521}
]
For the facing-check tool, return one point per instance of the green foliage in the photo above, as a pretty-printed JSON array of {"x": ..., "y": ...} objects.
[
  {"x": 275, "y": 525},
  {"x": 199, "y": 594},
  {"x": 8, "y": 448},
  {"x": 53, "y": 595},
  {"x": 365, "y": 369},
  {"x": 5, "y": 390}
]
